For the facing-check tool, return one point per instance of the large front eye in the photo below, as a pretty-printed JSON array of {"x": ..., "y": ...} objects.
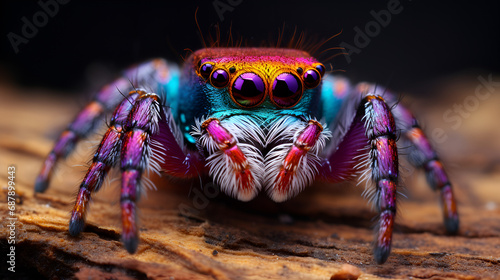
[
  {"x": 219, "y": 78},
  {"x": 248, "y": 90},
  {"x": 287, "y": 90}
]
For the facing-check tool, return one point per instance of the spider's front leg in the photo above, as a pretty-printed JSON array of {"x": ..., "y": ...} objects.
[
  {"x": 422, "y": 154},
  {"x": 141, "y": 134},
  {"x": 156, "y": 72},
  {"x": 383, "y": 162},
  {"x": 371, "y": 135},
  {"x": 105, "y": 157}
]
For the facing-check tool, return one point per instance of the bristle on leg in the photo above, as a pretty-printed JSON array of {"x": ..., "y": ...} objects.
[{"x": 383, "y": 163}]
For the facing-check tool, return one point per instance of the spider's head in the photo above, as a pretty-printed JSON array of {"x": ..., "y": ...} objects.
[
  {"x": 257, "y": 79},
  {"x": 250, "y": 106}
]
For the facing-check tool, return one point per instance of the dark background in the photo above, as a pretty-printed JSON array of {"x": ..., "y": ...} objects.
[{"x": 84, "y": 42}]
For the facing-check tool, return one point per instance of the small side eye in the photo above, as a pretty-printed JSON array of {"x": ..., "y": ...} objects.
[
  {"x": 219, "y": 78},
  {"x": 287, "y": 90},
  {"x": 321, "y": 69},
  {"x": 311, "y": 78},
  {"x": 206, "y": 69}
]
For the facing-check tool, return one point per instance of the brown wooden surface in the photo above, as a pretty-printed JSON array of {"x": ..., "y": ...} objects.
[{"x": 308, "y": 237}]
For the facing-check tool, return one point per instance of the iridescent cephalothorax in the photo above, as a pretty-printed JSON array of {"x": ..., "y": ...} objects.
[{"x": 253, "y": 119}]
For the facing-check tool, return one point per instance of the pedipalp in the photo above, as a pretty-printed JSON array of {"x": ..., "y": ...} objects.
[
  {"x": 293, "y": 166},
  {"x": 237, "y": 166}
]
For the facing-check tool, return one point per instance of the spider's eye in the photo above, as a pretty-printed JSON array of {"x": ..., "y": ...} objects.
[
  {"x": 287, "y": 90},
  {"x": 219, "y": 78},
  {"x": 311, "y": 78},
  {"x": 321, "y": 69},
  {"x": 206, "y": 69},
  {"x": 248, "y": 90}
]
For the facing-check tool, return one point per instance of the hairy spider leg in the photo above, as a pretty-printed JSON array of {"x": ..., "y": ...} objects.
[
  {"x": 383, "y": 163},
  {"x": 422, "y": 155},
  {"x": 105, "y": 157},
  {"x": 155, "y": 72},
  {"x": 141, "y": 135},
  {"x": 142, "y": 122},
  {"x": 369, "y": 142}
]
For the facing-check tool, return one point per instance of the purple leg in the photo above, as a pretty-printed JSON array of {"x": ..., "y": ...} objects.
[
  {"x": 142, "y": 122},
  {"x": 89, "y": 118},
  {"x": 147, "y": 132},
  {"x": 140, "y": 134},
  {"x": 381, "y": 130},
  {"x": 423, "y": 155},
  {"x": 372, "y": 134},
  {"x": 105, "y": 157}
]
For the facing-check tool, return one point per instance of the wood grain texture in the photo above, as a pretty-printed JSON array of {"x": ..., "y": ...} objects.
[{"x": 308, "y": 237}]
